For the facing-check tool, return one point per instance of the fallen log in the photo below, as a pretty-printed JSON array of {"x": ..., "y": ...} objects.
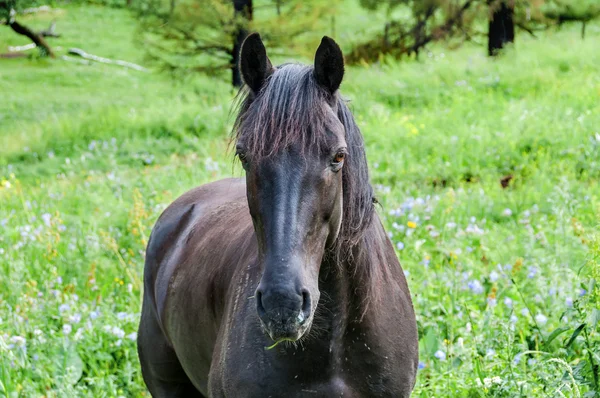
[
  {"x": 80, "y": 53},
  {"x": 13, "y": 55},
  {"x": 26, "y": 47},
  {"x": 77, "y": 60},
  {"x": 34, "y": 37},
  {"x": 33, "y": 10}
]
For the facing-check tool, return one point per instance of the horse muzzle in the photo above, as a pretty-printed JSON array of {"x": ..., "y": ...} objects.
[{"x": 284, "y": 315}]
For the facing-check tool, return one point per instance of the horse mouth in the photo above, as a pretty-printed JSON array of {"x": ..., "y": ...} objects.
[{"x": 286, "y": 331}]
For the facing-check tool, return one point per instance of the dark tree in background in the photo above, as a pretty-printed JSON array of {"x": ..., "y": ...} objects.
[
  {"x": 501, "y": 28},
  {"x": 421, "y": 22},
  {"x": 205, "y": 35},
  {"x": 243, "y": 11}
]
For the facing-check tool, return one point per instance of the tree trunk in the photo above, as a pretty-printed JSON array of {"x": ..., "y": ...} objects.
[
  {"x": 39, "y": 41},
  {"x": 243, "y": 13},
  {"x": 501, "y": 28}
]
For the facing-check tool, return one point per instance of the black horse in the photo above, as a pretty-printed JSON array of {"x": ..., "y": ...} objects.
[{"x": 282, "y": 284}]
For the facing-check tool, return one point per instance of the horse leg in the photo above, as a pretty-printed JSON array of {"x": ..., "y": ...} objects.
[{"x": 161, "y": 369}]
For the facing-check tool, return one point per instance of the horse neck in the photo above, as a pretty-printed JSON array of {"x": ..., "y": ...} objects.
[{"x": 350, "y": 288}]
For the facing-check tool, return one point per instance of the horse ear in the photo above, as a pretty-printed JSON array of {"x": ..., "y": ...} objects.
[
  {"x": 254, "y": 63},
  {"x": 329, "y": 64}
]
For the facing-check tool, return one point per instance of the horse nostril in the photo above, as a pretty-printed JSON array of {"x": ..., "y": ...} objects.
[
  {"x": 259, "y": 305},
  {"x": 306, "y": 306}
]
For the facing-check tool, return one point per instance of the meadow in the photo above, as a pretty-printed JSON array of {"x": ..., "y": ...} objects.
[{"x": 487, "y": 172}]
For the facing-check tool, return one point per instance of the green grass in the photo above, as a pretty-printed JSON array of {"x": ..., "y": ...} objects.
[{"x": 90, "y": 155}]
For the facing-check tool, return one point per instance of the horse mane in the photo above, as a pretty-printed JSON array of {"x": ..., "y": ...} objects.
[{"x": 292, "y": 107}]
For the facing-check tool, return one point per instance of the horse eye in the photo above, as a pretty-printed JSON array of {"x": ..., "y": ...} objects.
[
  {"x": 243, "y": 159},
  {"x": 339, "y": 157}
]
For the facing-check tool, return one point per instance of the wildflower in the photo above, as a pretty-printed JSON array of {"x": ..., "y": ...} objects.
[
  {"x": 211, "y": 165},
  {"x": 411, "y": 224},
  {"x": 67, "y": 328},
  {"x": 451, "y": 225},
  {"x": 494, "y": 276},
  {"x": 541, "y": 319},
  {"x": 122, "y": 315},
  {"x": 118, "y": 332},
  {"x": 78, "y": 335},
  {"x": 532, "y": 272},
  {"x": 400, "y": 245},
  {"x": 132, "y": 336},
  {"x": 490, "y": 353},
  {"x": 47, "y": 218},
  {"x": 507, "y": 212},
  {"x": 421, "y": 365},
  {"x": 75, "y": 318},
  {"x": 475, "y": 286},
  {"x": 474, "y": 229},
  {"x": 517, "y": 359},
  {"x": 569, "y": 302},
  {"x": 487, "y": 382},
  {"x": 63, "y": 307},
  {"x": 524, "y": 311},
  {"x": 582, "y": 292},
  {"x": 441, "y": 355},
  {"x": 18, "y": 341},
  {"x": 531, "y": 362},
  {"x": 94, "y": 315},
  {"x": 491, "y": 302},
  {"x": 513, "y": 319},
  {"x": 508, "y": 302}
]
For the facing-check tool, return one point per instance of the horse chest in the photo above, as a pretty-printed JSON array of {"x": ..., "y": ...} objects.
[{"x": 299, "y": 372}]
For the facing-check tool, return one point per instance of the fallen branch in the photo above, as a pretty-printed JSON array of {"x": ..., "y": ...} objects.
[
  {"x": 50, "y": 32},
  {"x": 26, "y": 47},
  {"x": 33, "y": 10},
  {"x": 34, "y": 37},
  {"x": 80, "y": 53},
  {"x": 76, "y": 60},
  {"x": 12, "y": 55},
  {"x": 526, "y": 29}
]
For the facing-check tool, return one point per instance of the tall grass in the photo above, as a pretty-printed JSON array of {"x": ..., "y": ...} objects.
[{"x": 487, "y": 172}]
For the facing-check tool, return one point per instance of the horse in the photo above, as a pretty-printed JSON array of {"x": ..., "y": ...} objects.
[{"x": 282, "y": 283}]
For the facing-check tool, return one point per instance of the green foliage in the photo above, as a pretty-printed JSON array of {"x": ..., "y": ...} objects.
[
  {"x": 411, "y": 25},
  {"x": 198, "y": 35},
  {"x": 496, "y": 273},
  {"x": 570, "y": 10}
]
